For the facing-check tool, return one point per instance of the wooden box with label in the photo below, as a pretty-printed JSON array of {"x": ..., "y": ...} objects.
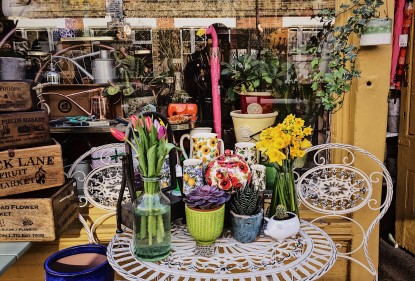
[
  {"x": 23, "y": 129},
  {"x": 30, "y": 169},
  {"x": 40, "y": 215},
  {"x": 16, "y": 96}
]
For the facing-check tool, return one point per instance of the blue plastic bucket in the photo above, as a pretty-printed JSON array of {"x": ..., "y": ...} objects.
[{"x": 57, "y": 267}]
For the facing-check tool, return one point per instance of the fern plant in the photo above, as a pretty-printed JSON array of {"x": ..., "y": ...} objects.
[{"x": 246, "y": 201}]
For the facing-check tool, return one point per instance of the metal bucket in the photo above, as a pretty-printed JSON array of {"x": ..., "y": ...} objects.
[{"x": 12, "y": 68}]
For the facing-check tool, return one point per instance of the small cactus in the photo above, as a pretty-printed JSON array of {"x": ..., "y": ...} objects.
[{"x": 281, "y": 212}]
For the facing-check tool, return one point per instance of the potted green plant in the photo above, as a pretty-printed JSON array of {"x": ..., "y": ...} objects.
[
  {"x": 137, "y": 84},
  {"x": 247, "y": 214},
  {"x": 205, "y": 213},
  {"x": 256, "y": 80},
  {"x": 282, "y": 225}
]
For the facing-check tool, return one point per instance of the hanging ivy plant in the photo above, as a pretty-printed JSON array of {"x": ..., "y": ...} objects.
[{"x": 337, "y": 81}]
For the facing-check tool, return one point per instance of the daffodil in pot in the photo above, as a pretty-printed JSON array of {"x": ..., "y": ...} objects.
[
  {"x": 205, "y": 213},
  {"x": 283, "y": 144},
  {"x": 151, "y": 209}
]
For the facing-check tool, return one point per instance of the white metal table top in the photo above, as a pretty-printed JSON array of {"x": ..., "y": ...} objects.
[{"x": 307, "y": 256}]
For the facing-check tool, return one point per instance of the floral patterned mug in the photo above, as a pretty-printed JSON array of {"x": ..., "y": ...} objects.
[
  {"x": 204, "y": 146},
  {"x": 247, "y": 151},
  {"x": 192, "y": 174}
]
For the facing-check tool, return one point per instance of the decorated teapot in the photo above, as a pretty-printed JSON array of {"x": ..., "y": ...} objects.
[{"x": 228, "y": 172}]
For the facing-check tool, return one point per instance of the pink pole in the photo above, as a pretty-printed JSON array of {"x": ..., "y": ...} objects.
[{"x": 215, "y": 75}]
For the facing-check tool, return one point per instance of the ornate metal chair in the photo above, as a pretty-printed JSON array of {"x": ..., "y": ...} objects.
[
  {"x": 336, "y": 190},
  {"x": 101, "y": 185}
]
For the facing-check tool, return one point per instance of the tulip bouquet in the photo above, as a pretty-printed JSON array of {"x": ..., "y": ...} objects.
[
  {"x": 283, "y": 144},
  {"x": 151, "y": 147}
]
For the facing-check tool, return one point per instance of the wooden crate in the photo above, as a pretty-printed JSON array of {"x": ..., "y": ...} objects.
[
  {"x": 23, "y": 129},
  {"x": 30, "y": 169},
  {"x": 40, "y": 215},
  {"x": 16, "y": 96}
]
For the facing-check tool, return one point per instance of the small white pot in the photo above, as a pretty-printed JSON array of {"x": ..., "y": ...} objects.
[{"x": 281, "y": 229}]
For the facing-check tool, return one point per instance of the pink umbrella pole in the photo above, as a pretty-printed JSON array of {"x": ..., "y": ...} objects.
[{"x": 215, "y": 75}]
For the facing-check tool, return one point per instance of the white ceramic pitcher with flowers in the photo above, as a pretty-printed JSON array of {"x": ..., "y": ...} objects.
[{"x": 204, "y": 146}]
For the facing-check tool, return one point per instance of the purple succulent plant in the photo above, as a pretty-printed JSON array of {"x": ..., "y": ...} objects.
[{"x": 206, "y": 197}]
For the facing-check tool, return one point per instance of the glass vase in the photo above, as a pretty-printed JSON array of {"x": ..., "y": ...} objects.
[
  {"x": 151, "y": 227},
  {"x": 284, "y": 193}
]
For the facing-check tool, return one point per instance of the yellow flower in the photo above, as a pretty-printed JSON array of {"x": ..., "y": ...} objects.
[
  {"x": 289, "y": 118},
  {"x": 276, "y": 156},
  {"x": 299, "y": 122},
  {"x": 305, "y": 144},
  {"x": 308, "y": 131},
  {"x": 185, "y": 177},
  {"x": 287, "y": 139},
  {"x": 280, "y": 143}
]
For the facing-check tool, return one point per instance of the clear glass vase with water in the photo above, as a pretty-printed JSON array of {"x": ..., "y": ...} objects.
[{"x": 152, "y": 226}]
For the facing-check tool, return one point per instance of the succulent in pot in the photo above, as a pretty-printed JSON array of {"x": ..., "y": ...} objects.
[
  {"x": 206, "y": 198},
  {"x": 247, "y": 214},
  {"x": 205, "y": 213},
  {"x": 282, "y": 225}
]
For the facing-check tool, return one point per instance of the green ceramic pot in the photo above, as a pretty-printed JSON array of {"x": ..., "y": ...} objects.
[{"x": 205, "y": 226}]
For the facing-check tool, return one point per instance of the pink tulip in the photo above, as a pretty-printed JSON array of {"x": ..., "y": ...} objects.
[
  {"x": 149, "y": 124},
  {"x": 118, "y": 134},
  {"x": 162, "y": 133},
  {"x": 156, "y": 124},
  {"x": 134, "y": 121}
]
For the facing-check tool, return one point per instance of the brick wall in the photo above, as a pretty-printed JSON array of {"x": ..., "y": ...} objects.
[{"x": 177, "y": 8}]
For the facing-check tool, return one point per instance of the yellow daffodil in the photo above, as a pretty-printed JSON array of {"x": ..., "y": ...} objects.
[
  {"x": 276, "y": 156},
  {"x": 305, "y": 144},
  {"x": 299, "y": 122},
  {"x": 308, "y": 131}
]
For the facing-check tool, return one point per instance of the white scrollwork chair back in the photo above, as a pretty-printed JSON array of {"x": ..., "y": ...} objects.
[
  {"x": 337, "y": 190},
  {"x": 101, "y": 182}
]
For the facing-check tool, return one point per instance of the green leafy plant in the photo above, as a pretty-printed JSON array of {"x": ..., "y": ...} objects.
[
  {"x": 246, "y": 201},
  {"x": 135, "y": 76},
  {"x": 333, "y": 85},
  {"x": 251, "y": 74}
]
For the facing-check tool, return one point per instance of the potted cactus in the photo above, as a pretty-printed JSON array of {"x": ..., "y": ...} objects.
[
  {"x": 282, "y": 225},
  {"x": 247, "y": 214},
  {"x": 205, "y": 213}
]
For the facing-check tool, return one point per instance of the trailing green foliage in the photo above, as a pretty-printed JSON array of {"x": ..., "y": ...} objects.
[{"x": 332, "y": 86}]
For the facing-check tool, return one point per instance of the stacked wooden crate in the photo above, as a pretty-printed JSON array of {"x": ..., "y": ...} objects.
[{"x": 35, "y": 202}]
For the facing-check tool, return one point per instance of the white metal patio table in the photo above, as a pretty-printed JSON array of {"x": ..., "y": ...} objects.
[{"x": 307, "y": 256}]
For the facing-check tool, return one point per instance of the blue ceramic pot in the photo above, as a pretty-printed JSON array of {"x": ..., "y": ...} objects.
[
  {"x": 100, "y": 272},
  {"x": 246, "y": 228}
]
